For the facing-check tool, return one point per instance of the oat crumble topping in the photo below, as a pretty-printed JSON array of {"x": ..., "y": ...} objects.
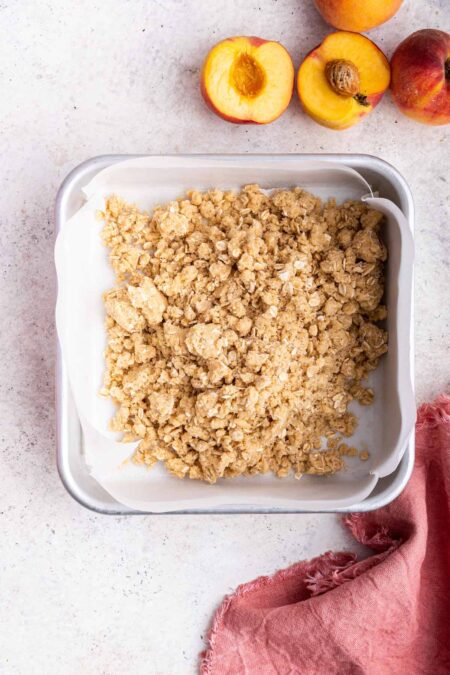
[{"x": 241, "y": 327}]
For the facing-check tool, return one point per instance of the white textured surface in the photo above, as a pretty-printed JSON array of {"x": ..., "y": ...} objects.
[{"x": 82, "y": 593}]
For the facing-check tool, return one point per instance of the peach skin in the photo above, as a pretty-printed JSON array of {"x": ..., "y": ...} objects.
[
  {"x": 356, "y": 15},
  {"x": 421, "y": 76},
  {"x": 342, "y": 80},
  {"x": 247, "y": 80}
]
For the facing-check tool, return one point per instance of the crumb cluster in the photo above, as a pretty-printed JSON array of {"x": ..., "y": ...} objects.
[{"x": 240, "y": 329}]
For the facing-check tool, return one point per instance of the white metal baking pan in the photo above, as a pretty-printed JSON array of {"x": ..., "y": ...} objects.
[{"x": 383, "y": 179}]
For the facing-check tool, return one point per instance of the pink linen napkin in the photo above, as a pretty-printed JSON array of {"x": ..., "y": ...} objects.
[{"x": 387, "y": 614}]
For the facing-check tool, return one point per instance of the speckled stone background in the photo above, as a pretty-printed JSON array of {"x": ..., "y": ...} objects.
[{"x": 84, "y": 593}]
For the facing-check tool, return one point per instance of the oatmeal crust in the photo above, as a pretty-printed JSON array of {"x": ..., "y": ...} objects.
[{"x": 241, "y": 327}]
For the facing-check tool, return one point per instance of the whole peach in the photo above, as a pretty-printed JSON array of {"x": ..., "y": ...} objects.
[
  {"x": 356, "y": 15},
  {"x": 420, "y": 81}
]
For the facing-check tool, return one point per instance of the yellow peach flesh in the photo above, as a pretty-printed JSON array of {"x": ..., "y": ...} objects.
[{"x": 244, "y": 81}]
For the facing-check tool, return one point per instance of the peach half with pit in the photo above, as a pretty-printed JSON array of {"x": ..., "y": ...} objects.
[
  {"x": 343, "y": 79},
  {"x": 247, "y": 80}
]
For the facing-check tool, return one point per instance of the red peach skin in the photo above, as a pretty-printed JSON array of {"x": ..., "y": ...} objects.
[{"x": 421, "y": 76}]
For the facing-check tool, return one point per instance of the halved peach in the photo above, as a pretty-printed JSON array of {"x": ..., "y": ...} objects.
[
  {"x": 343, "y": 79},
  {"x": 248, "y": 80}
]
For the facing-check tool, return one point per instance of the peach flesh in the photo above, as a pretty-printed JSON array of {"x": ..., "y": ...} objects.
[{"x": 247, "y": 80}]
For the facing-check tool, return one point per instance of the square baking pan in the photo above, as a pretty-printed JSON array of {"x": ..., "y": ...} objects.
[{"x": 383, "y": 179}]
